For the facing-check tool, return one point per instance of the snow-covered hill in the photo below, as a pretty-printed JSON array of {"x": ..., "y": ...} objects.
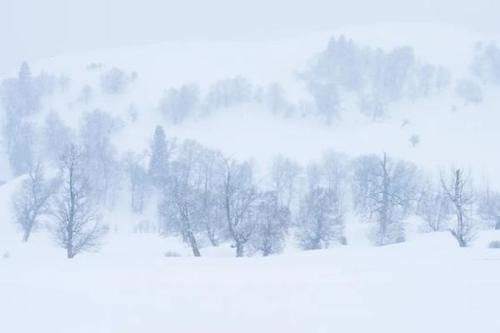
[
  {"x": 140, "y": 281},
  {"x": 450, "y": 132}
]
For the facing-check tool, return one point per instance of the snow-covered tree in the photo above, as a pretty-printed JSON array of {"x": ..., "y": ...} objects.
[
  {"x": 469, "y": 91},
  {"x": 489, "y": 207},
  {"x": 32, "y": 201},
  {"x": 114, "y": 81},
  {"x": 321, "y": 213},
  {"x": 22, "y": 141},
  {"x": 239, "y": 196},
  {"x": 211, "y": 174},
  {"x": 434, "y": 208},
  {"x": 101, "y": 166},
  {"x": 179, "y": 104},
  {"x": 229, "y": 92},
  {"x": 182, "y": 205},
  {"x": 273, "y": 221},
  {"x": 139, "y": 183},
  {"x": 56, "y": 136},
  {"x": 76, "y": 227},
  {"x": 458, "y": 189},
  {"x": 389, "y": 194},
  {"x": 284, "y": 176},
  {"x": 158, "y": 163}
]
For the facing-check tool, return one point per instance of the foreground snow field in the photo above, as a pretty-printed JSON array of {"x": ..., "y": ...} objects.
[{"x": 424, "y": 285}]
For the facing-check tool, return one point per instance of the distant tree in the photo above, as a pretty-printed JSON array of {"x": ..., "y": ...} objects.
[
  {"x": 22, "y": 143},
  {"x": 365, "y": 170},
  {"x": 239, "y": 196},
  {"x": 86, "y": 94},
  {"x": 32, "y": 201},
  {"x": 321, "y": 214},
  {"x": 489, "y": 207},
  {"x": 29, "y": 99},
  {"x": 434, "y": 208},
  {"x": 178, "y": 105},
  {"x": 486, "y": 64},
  {"x": 391, "y": 191},
  {"x": 56, "y": 136},
  {"x": 273, "y": 221},
  {"x": 284, "y": 175},
  {"x": 458, "y": 190},
  {"x": 76, "y": 226},
  {"x": 414, "y": 140},
  {"x": 21, "y": 95},
  {"x": 100, "y": 161},
  {"x": 327, "y": 100},
  {"x": 276, "y": 100},
  {"x": 229, "y": 92},
  {"x": 182, "y": 204},
  {"x": 469, "y": 91},
  {"x": 158, "y": 163},
  {"x": 114, "y": 81},
  {"x": 211, "y": 175},
  {"x": 139, "y": 185}
]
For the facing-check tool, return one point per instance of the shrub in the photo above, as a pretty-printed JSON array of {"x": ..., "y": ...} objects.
[{"x": 494, "y": 244}]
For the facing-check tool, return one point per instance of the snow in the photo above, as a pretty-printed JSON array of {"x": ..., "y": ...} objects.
[
  {"x": 443, "y": 123},
  {"x": 143, "y": 282},
  {"x": 427, "y": 286}
]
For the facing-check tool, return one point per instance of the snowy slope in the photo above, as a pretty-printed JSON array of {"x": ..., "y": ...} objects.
[{"x": 444, "y": 124}]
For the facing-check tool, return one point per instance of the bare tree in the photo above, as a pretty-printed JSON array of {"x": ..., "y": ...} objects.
[
  {"x": 365, "y": 170},
  {"x": 32, "y": 201},
  {"x": 489, "y": 207},
  {"x": 434, "y": 208},
  {"x": 139, "y": 185},
  {"x": 284, "y": 174},
  {"x": 321, "y": 215},
  {"x": 273, "y": 221},
  {"x": 212, "y": 180},
  {"x": 391, "y": 193},
  {"x": 181, "y": 206},
  {"x": 459, "y": 192},
  {"x": 101, "y": 166},
  {"x": 239, "y": 196},
  {"x": 76, "y": 225}
]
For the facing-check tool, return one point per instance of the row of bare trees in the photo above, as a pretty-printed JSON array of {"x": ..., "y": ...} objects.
[
  {"x": 65, "y": 202},
  {"x": 208, "y": 199}
]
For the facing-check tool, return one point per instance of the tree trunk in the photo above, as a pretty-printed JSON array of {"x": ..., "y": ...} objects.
[
  {"x": 194, "y": 244},
  {"x": 26, "y": 235},
  {"x": 69, "y": 252},
  {"x": 211, "y": 236},
  {"x": 240, "y": 249}
]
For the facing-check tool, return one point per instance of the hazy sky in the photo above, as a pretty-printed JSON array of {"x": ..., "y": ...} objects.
[{"x": 30, "y": 29}]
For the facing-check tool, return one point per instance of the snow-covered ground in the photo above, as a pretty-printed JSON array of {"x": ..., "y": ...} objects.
[{"x": 426, "y": 284}]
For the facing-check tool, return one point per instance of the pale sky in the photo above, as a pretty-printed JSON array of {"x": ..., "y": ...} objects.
[{"x": 31, "y": 29}]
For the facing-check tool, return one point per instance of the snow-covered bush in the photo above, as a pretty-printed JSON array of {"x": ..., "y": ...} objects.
[
  {"x": 494, "y": 244},
  {"x": 114, "y": 81},
  {"x": 469, "y": 91}
]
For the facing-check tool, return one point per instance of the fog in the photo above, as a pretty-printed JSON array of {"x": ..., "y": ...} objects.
[{"x": 32, "y": 29}]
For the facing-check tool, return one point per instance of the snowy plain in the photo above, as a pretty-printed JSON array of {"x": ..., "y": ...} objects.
[{"x": 426, "y": 284}]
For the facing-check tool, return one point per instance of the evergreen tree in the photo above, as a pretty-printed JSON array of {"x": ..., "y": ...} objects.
[{"x": 158, "y": 163}]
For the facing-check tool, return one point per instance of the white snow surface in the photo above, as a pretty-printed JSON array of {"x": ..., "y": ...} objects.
[{"x": 426, "y": 284}]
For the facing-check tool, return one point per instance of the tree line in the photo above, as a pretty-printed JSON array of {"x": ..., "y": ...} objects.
[{"x": 204, "y": 197}]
